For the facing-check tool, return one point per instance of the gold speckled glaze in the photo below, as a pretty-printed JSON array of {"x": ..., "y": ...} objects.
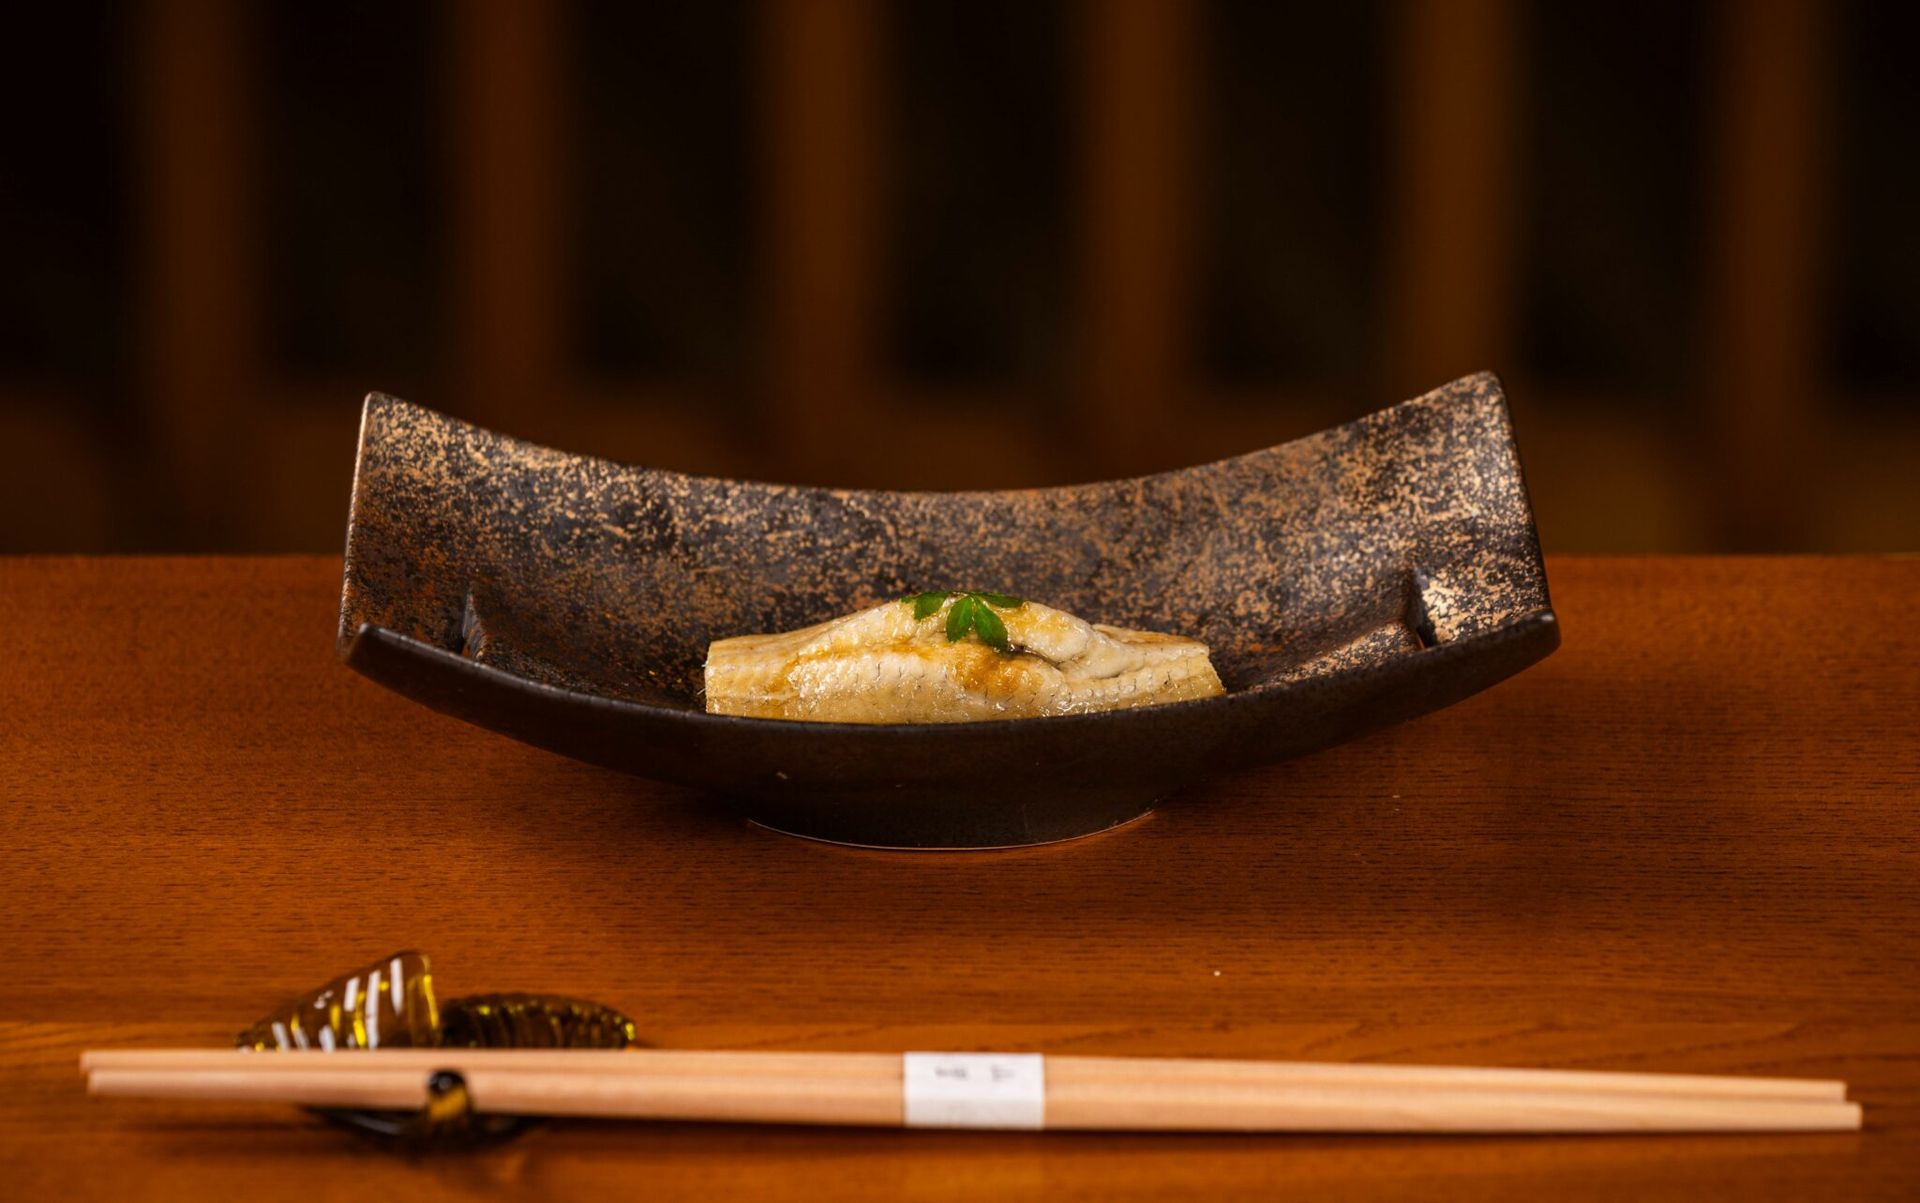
[{"x": 1353, "y": 578}]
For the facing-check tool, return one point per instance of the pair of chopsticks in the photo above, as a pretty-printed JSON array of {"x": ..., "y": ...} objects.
[{"x": 1111, "y": 1093}]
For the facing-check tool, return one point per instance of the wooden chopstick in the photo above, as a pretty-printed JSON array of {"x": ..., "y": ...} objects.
[
  {"x": 1109, "y": 1104},
  {"x": 1060, "y": 1069},
  {"x": 1081, "y": 1092}
]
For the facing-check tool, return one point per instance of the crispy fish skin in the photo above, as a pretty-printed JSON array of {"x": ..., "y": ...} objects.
[{"x": 881, "y": 665}]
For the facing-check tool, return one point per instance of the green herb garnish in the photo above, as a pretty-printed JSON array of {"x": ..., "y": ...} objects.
[{"x": 971, "y": 611}]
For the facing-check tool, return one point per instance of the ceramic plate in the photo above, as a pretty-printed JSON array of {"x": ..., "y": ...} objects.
[{"x": 1354, "y": 578}]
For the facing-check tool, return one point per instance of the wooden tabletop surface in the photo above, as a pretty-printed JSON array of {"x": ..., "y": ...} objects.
[{"x": 1690, "y": 840}]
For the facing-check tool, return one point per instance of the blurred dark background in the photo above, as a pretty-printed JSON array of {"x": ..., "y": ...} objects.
[{"x": 947, "y": 243}]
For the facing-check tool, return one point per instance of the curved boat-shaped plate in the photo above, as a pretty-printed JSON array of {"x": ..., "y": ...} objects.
[{"x": 1350, "y": 579}]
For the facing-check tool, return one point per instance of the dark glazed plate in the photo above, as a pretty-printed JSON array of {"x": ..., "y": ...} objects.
[{"x": 1348, "y": 580}]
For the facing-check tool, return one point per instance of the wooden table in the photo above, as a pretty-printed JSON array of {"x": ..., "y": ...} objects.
[{"x": 1690, "y": 840}]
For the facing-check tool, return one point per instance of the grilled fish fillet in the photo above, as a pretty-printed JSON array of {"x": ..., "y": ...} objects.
[{"x": 884, "y": 665}]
